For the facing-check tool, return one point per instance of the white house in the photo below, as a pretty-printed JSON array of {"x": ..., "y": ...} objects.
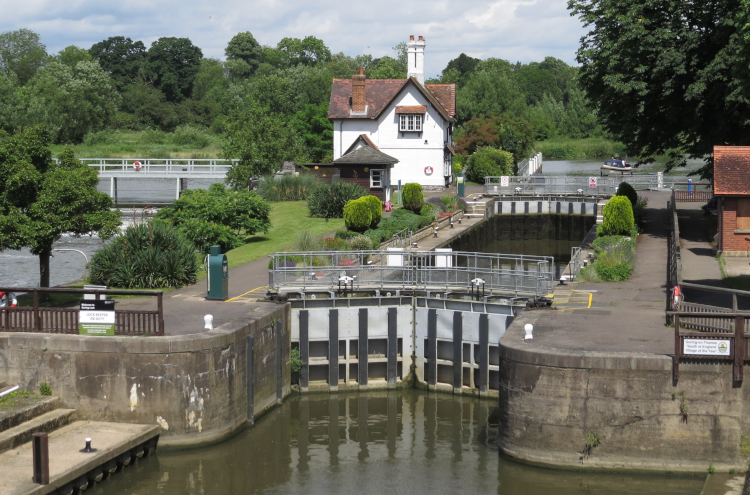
[{"x": 409, "y": 122}]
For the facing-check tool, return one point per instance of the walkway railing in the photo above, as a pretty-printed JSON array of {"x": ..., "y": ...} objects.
[
  {"x": 40, "y": 319},
  {"x": 158, "y": 168},
  {"x": 687, "y": 192},
  {"x": 531, "y": 165},
  {"x": 400, "y": 269},
  {"x": 582, "y": 185}
]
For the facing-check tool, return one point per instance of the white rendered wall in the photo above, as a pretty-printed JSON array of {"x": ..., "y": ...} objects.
[{"x": 408, "y": 147}]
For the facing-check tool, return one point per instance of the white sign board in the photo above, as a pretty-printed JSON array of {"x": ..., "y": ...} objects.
[
  {"x": 444, "y": 260},
  {"x": 504, "y": 181},
  {"x": 592, "y": 182},
  {"x": 395, "y": 257},
  {"x": 706, "y": 347}
]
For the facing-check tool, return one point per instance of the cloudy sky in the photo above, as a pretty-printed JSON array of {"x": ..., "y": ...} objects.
[{"x": 525, "y": 30}]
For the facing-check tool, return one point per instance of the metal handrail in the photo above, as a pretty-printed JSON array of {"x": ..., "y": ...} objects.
[
  {"x": 411, "y": 270},
  {"x": 182, "y": 167}
]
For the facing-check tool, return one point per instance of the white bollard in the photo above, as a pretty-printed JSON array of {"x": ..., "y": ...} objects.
[
  {"x": 208, "y": 322},
  {"x": 529, "y": 329}
]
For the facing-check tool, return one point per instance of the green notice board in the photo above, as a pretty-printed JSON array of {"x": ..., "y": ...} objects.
[{"x": 96, "y": 318}]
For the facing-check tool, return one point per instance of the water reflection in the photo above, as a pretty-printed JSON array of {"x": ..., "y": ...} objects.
[{"x": 406, "y": 441}]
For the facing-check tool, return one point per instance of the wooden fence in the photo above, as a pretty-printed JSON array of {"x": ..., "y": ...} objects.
[{"x": 64, "y": 320}]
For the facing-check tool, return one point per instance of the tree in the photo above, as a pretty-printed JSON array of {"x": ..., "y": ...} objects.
[
  {"x": 488, "y": 161},
  {"x": 244, "y": 47},
  {"x": 122, "y": 58},
  {"x": 219, "y": 216},
  {"x": 72, "y": 101},
  {"x": 666, "y": 77},
  {"x": 261, "y": 140},
  {"x": 71, "y": 55},
  {"x": 11, "y": 106},
  {"x": 149, "y": 106},
  {"x": 41, "y": 200},
  {"x": 22, "y": 53},
  {"x": 316, "y": 130},
  {"x": 172, "y": 64},
  {"x": 386, "y": 68},
  {"x": 460, "y": 67},
  {"x": 309, "y": 51},
  {"x": 512, "y": 134},
  {"x": 489, "y": 90}
]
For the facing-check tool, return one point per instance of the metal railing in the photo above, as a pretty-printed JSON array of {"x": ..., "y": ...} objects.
[
  {"x": 399, "y": 269},
  {"x": 531, "y": 165},
  {"x": 208, "y": 168},
  {"x": 576, "y": 184},
  {"x": 41, "y": 319},
  {"x": 674, "y": 260},
  {"x": 574, "y": 266},
  {"x": 403, "y": 238}
]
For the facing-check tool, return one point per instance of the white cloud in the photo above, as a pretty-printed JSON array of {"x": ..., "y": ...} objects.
[{"x": 524, "y": 30}]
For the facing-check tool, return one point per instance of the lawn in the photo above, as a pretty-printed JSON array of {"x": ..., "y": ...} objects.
[{"x": 288, "y": 218}]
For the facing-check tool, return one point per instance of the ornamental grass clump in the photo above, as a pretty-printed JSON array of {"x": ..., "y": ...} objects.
[
  {"x": 147, "y": 256},
  {"x": 328, "y": 200},
  {"x": 618, "y": 217},
  {"x": 287, "y": 187}
]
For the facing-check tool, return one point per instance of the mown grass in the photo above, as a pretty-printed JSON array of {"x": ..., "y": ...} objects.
[
  {"x": 144, "y": 144},
  {"x": 288, "y": 218},
  {"x": 579, "y": 149}
]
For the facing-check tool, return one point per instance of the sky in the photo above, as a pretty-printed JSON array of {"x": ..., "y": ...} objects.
[{"x": 514, "y": 30}]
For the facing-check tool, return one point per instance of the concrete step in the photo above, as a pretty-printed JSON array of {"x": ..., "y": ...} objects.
[
  {"x": 42, "y": 406},
  {"x": 46, "y": 423}
]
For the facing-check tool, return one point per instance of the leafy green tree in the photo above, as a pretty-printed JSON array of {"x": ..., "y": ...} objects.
[
  {"x": 71, "y": 55},
  {"x": 12, "y": 114},
  {"x": 512, "y": 134},
  {"x": 666, "y": 76},
  {"x": 308, "y": 51},
  {"x": 386, "y": 68},
  {"x": 40, "y": 200},
  {"x": 122, "y": 58},
  {"x": 22, "y": 53},
  {"x": 244, "y": 47},
  {"x": 536, "y": 82},
  {"x": 460, "y": 67},
  {"x": 173, "y": 63},
  {"x": 260, "y": 139},
  {"x": 488, "y": 161},
  {"x": 401, "y": 55},
  {"x": 219, "y": 216},
  {"x": 72, "y": 101},
  {"x": 316, "y": 131},
  {"x": 489, "y": 90},
  {"x": 149, "y": 107}
]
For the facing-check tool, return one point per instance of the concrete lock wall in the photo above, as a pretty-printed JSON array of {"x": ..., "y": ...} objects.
[
  {"x": 551, "y": 399},
  {"x": 194, "y": 386},
  {"x": 372, "y": 343}
]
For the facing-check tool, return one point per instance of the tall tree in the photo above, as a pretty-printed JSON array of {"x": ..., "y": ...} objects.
[
  {"x": 121, "y": 57},
  {"x": 22, "y": 53},
  {"x": 40, "y": 200},
  {"x": 244, "y": 47},
  {"x": 71, "y": 55},
  {"x": 316, "y": 130},
  {"x": 308, "y": 51},
  {"x": 173, "y": 64},
  {"x": 664, "y": 75}
]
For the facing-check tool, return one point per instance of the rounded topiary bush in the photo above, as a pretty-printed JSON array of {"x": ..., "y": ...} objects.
[
  {"x": 413, "y": 198},
  {"x": 358, "y": 215},
  {"x": 628, "y": 191},
  {"x": 146, "y": 256},
  {"x": 618, "y": 217},
  {"x": 376, "y": 208}
]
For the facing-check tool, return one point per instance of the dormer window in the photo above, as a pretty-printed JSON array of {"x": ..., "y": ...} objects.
[{"x": 410, "y": 123}]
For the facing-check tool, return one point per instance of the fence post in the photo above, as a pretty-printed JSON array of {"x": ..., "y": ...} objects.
[
  {"x": 37, "y": 325},
  {"x": 160, "y": 309},
  {"x": 40, "y": 457},
  {"x": 739, "y": 347},
  {"x": 676, "y": 362}
]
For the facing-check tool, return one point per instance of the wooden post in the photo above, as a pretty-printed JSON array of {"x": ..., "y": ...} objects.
[
  {"x": 739, "y": 347},
  {"x": 677, "y": 349},
  {"x": 160, "y": 309},
  {"x": 37, "y": 326},
  {"x": 40, "y": 450}
]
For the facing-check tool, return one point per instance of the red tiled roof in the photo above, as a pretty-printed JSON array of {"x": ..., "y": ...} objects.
[
  {"x": 412, "y": 109},
  {"x": 732, "y": 170},
  {"x": 446, "y": 95},
  {"x": 379, "y": 93},
  {"x": 367, "y": 141}
]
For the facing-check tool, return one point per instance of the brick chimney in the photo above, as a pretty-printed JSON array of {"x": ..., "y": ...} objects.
[
  {"x": 358, "y": 91},
  {"x": 415, "y": 58}
]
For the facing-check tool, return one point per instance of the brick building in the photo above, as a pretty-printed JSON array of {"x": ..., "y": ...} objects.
[{"x": 732, "y": 189}]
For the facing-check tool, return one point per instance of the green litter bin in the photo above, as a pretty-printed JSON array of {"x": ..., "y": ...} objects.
[{"x": 218, "y": 275}]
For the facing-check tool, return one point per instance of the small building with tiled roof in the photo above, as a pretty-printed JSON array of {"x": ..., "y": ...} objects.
[
  {"x": 732, "y": 191},
  {"x": 402, "y": 118}
]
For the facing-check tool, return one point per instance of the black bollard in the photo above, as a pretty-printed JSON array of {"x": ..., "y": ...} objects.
[{"x": 40, "y": 446}]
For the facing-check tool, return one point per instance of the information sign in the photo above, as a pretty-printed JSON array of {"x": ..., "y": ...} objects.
[
  {"x": 706, "y": 347},
  {"x": 96, "y": 318},
  {"x": 504, "y": 181},
  {"x": 592, "y": 181}
]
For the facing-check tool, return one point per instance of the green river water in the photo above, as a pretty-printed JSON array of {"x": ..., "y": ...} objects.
[{"x": 407, "y": 442}]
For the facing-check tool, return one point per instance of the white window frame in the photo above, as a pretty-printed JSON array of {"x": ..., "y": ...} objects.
[
  {"x": 410, "y": 122},
  {"x": 381, "y": 180}
]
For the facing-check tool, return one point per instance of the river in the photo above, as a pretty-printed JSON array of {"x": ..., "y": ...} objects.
[{"x": 372, "y": 443}]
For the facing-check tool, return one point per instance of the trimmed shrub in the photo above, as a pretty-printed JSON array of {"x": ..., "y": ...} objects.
[
  {"x": 360, "y": 243},
  {"x": 413, "y": 198},
  {"x": 328, "y": 200},
  {"x": 488, "y": 162},
  {"x": 346, "y": 234},
  {"x": 358, "y": 215},
  {"x": 625, "y": 189},
  {"x": 287, "y": 187},
  {"x": 376, "y": 209},
  {"x": 146, "y": 256},
  {"x": 618, "y": 217}
]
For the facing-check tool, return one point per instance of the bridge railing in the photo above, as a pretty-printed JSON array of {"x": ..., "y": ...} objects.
[
  {"x": 179, "y": 167},
  {"x": 549, "y": 184},
  {"x": 396, "y": 268}
]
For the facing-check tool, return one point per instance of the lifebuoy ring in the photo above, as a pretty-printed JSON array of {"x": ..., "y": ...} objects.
[
  {"x": 137, "y": 165},
  {"x": 428, "y": 170},
  {"x": 11, "y": 296}
]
